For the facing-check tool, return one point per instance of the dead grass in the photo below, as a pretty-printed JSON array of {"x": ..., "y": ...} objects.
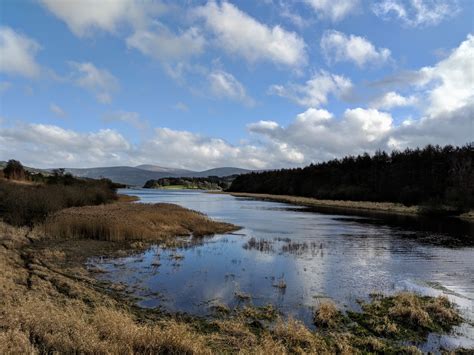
[
  {"x": 407, "y": 316},
  {"x": 327, "y": 314},
  {"x": 125, "y": 221},
  {"x": 127, "y": 198}
]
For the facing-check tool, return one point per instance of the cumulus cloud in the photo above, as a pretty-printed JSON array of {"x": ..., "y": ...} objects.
[
  {"x": 446, "y": 116},
  {"x": 416, "y": 12},
  {"x": 240, "y": 34},
  {"x": 58, "y": 111},
  {"x": 18, "y": 53},
  {"x": 149, "y": 36},
  {"x": 317, "y": 135},
  {"x": 51, "y": 146},
  {"x": 392, "y": 99},
  {"x": 87, "y": 16},
  {"x": 225, "y": 85},
  {"x": 338, "y": 47},
  {"x": 335, "y": 10},
  {"x": 449, "y": 127},
  {"x": 451, "y": 81},
  {"x": 98, "y": 81},
  {"x": 316, "y": 90},
  {"x": 160, "y": 43}
]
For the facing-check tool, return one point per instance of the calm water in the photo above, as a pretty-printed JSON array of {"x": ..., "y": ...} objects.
[{"x": 317, "y": 255}]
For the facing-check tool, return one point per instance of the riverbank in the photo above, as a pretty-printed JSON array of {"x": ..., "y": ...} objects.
[{"x": 355, "y": 206}]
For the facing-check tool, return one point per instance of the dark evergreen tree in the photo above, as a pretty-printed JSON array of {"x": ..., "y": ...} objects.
[{"x": 439, "y": 177}]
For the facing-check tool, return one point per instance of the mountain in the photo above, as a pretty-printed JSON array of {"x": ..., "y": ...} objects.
[
  {"x": 137, "y": 176},
  {"x": 161, "y": 169},
  {"x": 220, "y": 172}
]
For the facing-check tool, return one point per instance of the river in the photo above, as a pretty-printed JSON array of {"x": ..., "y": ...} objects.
[{"x": 316, "y": 255}]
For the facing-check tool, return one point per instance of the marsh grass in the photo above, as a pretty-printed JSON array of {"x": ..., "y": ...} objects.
[
  {"x": 125, "y": 221},
  {"x": 407, "y": 316},
  {"x": 262, "y": 245},
  {"x": 327, "y": 315}
]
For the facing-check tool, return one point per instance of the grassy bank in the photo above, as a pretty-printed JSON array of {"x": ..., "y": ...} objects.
[
  {"x": 126, "y": 221},
  {"x": 375, "y": 207}
]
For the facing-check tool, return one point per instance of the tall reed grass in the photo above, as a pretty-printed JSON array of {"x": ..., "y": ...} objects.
[{"x": 125, "y": 221}]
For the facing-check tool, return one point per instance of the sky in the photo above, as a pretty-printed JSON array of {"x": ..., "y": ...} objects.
[{"x": 252, "y": 84}]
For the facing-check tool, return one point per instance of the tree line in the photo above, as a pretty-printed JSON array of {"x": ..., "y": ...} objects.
[
  {"x": 203, "y": 183},
  {"x": 435, "y": 177}
]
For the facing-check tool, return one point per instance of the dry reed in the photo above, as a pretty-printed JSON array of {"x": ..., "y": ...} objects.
[{"x": 125, "y": 221}]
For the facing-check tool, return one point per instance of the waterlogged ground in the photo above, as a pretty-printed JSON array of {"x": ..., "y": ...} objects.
[{"x": 293, "y": 258}]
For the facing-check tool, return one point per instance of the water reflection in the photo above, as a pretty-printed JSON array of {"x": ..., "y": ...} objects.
[{"x": 316, "y": 255}]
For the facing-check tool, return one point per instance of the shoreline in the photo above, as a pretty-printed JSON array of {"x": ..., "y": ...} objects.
[{"x": 348, "y": 206}]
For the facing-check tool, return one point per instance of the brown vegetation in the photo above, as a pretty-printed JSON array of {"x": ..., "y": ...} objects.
[
  {"x": 385, "y": 207},
  {"x": 126, "y": 221},
  {"x": 326, "y": 315}
]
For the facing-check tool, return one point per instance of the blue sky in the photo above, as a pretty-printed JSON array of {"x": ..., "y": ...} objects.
[{"x": 256, "y": 84}]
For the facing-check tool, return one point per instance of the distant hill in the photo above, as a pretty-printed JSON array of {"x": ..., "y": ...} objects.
[
  {"x": 161, "y": 169},
  {"x": 137, "y": 176}
]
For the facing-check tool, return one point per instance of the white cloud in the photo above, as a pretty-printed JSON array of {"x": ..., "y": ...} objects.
[
  {"x": 149, "y": 36},
  {"x": 392, "y": 99},
  {"x": 338, "y": 47},
  {"x": 18, "y": 53},
  {"x": 316, "y": 135},
  {"x": 225, "y": 85},
  {"x": 263, "y": 126},
  {"x": 240, "y": 34},
  {"x": 58, "y": 111},
  {"x": 451, "y": 81},
  {"x": 162, "y": 44},
  {"x": 131, "y": 118},
  {"x": 86, "y": 16},
  {"x": 51, "y": 146},
  {"x": 449, "y": 127},
  {"x": 98, "y": 81},
  {"x": 315, "y": 91},
  {"x": 416, "y": 12},
  {"x": 445, "y": 99},
  {"x": 333, "y": 9}
]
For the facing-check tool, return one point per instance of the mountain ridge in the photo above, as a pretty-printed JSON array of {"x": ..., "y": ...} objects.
[{"x": 140, "y": 174}]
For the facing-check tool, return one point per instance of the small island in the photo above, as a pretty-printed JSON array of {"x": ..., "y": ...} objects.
[{"x": 214, "y": 183}]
